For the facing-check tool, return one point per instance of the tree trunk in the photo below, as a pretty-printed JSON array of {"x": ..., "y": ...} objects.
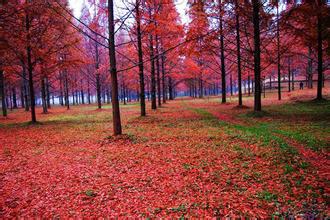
[
  {"x": 239, "y": 71},
  {"x": 3, "y": 94},
  {"x": 152, "y": 66},
  {"x": 289, "y": 75},
  {"x": 278, "y": 54},
  {"x": 170, "y": 88},
  {"x": 66, "y": 87},
  {"x": 222, "y": 56},
  {"x": 257, "y": 70},
  {"x": 158, "y": 73},
  {"x": 14, "y": 98},
  {"x": 114, "y": 82},
  {"x": 140, "y": 55},
  {"x": 43, "y": 96},
  {"x": 98, "y": 91},
  {"x": 47, "y": 93},
  {"x": 25, "y": 89},
  {"x": 310, "y": 69},
  {"x": 319, "y": 57},
  {"x": 163, "y": 78},
  {"x": 30, "y": 71}
]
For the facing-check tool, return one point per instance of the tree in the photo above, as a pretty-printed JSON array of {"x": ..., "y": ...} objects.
[{"x": 113, "y": 71}]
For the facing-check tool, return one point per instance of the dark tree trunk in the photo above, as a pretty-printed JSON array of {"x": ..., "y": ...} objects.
[
  {"x": 319, "y": 57},
  {"x": 61, "y": 89},
  {"x": 152, "y": 66},
  {"x": 310, "y": 69},
  {"x": 82, "y": 92},
  {"x": 231, "y": 84},
  {"x": 114, "y": 82},
  {"x": 22, "y": 96},
  {"x": 257, "y": 70},
  {"x": 222, "y": 56},
  {"x": 158, "y": 73},
  {"x": 66, "y": 87},
  {"x": 25, "y": 89},
  {"x": 30, "y": 71},
  {"x": 88, "y": 93},
  {"x": 249, "y": 85},
  {"x": 278, "y": 54},
  {"x": 98, "y": 91},
  {"x": 140, "y": 55},
  {"x": 289, "y": 75},
  {"x": 43, "y": 96},
  {"x": 170, "y": 88},
  {"x": 14, "y": 98},
  {"x": 163, "y": 78},
  {"x": 47, "y": 93},
  {"x": 239, "y": 71},
  {"x": 3, "y": 94}
]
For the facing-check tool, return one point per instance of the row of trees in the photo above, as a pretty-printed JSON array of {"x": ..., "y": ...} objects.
[{"x": 49, "y": 55}]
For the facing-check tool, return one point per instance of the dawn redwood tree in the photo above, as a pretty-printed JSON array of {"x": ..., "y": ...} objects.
[
  {"x": 222, "y": 54},
  {"x": 257, "y": 70},
  {"x": 238, "y": 46},
  {"x": 117, "y": 130},
  {"x": 140, "y": 57}
]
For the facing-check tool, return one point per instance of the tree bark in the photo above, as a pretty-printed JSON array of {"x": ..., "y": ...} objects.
[
  {"x": 163, "y": 78},
  {"x": 117, "y": 130},
  {"x": 152, "y": 65},
  {"x": 257, "y": 70},
  {"x": 158, "y": 73},
  {"x": 278, "y": 54},
  {"x": 140, "y": 55},
  {"x": 222, "y": 57},
  {"x": 43, "y": 95},
  {"x": 239, "y": 71},
  {"x": 319, "y": 57},
  {"x": 30, "y": 71},
  {"x": 3, "y": 94}
]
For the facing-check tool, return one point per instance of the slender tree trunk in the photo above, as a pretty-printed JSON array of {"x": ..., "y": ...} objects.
[
  {"x": 30, "y": 71},
  {"x": 88, "y": 92},
  {"x": 98, "y": 91},
  {"x": 82, "y": 92},
  {"x": 257, "y": 70},
  {"x": 222, "y": 56},
  {"x": 239, "y": 71},
  {"x": 152, "y": 65},
  {"x": 114, "y": 82},
  {"x": 319, "y": 57},
  {"x": 292, "y": 80},
  {"x": 3, "y": 94},
  {"x": 278, "y": 54},
  {"x": 43, "y": 96},
  {"x": 22, "y": 96},
  {"x": 66, "y": 87},
  {"x": 25, "y": 89},
  {"x": 289, "y": 74},
  {"x": 47, "y": 93},
  {"x": 310, "y": 69},
  {"x": 61, "y": 89},
  {"x": 231, "y": 84},
  {"x": 249, "y": 85},
  {"x": 140, "y": 55},
  {"x": 158, "y": 73},
  {"x": 163, "y": 78},
  {"x": 14, "y": 98},
  {"x": 170, "y": 88}
]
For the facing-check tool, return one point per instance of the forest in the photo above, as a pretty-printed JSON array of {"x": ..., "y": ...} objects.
[{"x": 165, "y": 109}]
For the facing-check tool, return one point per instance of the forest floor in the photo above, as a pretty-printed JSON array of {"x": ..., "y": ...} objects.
[{"x": 189, "y": 158}]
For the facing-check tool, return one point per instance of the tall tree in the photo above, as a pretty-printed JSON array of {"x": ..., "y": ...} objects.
[{"x": 117, "y": 130}]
